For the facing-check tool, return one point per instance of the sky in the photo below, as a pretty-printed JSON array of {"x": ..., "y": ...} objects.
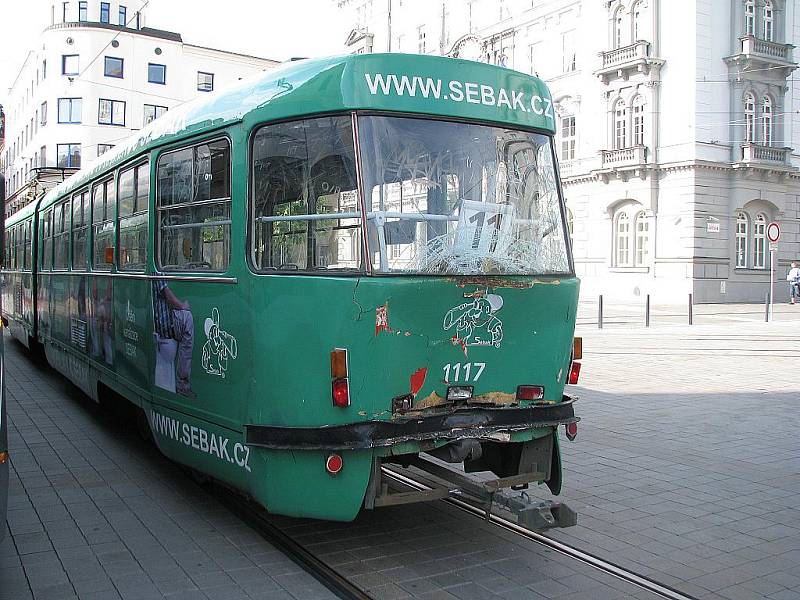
[{"x": 267, "y": 28}]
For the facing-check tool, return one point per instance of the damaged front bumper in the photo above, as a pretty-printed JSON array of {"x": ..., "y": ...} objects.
[{"x": 454, "y": 424}]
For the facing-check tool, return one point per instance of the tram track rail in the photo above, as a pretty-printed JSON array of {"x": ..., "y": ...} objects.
[
  {"x": 256, "y": 517},
  {"x": 617, "y": 571}
]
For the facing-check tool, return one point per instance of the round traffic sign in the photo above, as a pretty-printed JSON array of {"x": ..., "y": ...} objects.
[{"x": 773, "y": 232}]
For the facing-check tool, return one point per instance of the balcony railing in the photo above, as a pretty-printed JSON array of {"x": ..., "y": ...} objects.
[
  {"x": 624, "y": 157},
  {"x": 753, "y": 46},
  {"x": 765, "y": 154},
  {"x": 626, "y": 61},
  {"x": 626, "y": 54}
]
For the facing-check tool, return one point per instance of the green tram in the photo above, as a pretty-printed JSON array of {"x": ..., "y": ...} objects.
[
  {"x": 340, "y": 263},
  {"x": 4, "y": 458}
]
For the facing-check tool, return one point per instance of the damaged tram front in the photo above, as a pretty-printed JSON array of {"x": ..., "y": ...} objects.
[{"x": 420, "y": 244}]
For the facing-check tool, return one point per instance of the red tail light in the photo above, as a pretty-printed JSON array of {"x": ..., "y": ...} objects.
[
  {"x": 530, "y": 392},
  {"x": 574, "y": 373},
  {"x": 572, "y": 430},
  {"x": 340, "y": 391},
  {"x": 334, "y": 464}
]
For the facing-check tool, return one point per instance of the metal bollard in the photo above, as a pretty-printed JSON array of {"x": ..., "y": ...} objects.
[
  {"x": 600, "y": 312},
  {"x": 766, "y": 307},
  {"x": 647, "y": 311},
  {"x": 691, "y": 310}
]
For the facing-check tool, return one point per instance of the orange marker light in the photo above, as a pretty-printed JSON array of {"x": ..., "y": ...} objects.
[
  {"x": 339, "y": 363},
  {"x": 3, "y": 457},
  {"x": 577, "y": 348}
]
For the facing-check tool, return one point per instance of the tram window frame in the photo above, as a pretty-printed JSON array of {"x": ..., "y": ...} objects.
[
  {"x": 309, "y": 231},
  {"x": 214, "y": 225},
  {"x": 133, "y": 213},
  {"x": 27, "y": 246},
  {"x": 101, "y": 226},
  {"x": 47, "y": 241},
  {"x": 11, "y": 248},
  {"x": 61, "y": 234},
  {"x": 81, "y": 217}
]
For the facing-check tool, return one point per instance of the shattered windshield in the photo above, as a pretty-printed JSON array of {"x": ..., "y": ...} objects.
[{"x": 459, "y": 198}]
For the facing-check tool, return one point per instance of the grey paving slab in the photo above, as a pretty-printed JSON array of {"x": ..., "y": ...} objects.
[
  {"x": 688, "y": 452},
  {"x": 674, "y": 474},
  {"x": 97, "y": 514}
]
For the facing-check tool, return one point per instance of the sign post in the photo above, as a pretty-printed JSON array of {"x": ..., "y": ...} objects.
[{"x": 773, "y": 235}]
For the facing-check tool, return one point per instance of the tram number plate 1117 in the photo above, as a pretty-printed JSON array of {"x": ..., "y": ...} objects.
[{"x": 455, "y": 372}]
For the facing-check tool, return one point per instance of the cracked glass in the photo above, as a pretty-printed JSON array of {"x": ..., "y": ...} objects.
[{"x": 460, "y": 199}]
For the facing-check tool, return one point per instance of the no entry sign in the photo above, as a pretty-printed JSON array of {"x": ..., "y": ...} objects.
[{"x": 773, "y": 232}]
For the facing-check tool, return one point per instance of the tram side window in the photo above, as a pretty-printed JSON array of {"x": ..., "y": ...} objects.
[
  {"x": 47, "y": 241},
  {"x": 305, "y": 207},
  {"x": 61, "y": 236},
  {"x": 28, "y": 255},
  {"x": 11, "y": 248},
  {"x": 134, "y": 193},
  {"x": 80, "y": 229},
  {"x": 103, "y": 207},
  {"x": 194, "y": 208}
]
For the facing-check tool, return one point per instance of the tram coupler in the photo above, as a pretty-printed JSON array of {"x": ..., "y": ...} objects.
[
  {"x": 530, "y": 512},
  {"x": 538, "y": 515}
]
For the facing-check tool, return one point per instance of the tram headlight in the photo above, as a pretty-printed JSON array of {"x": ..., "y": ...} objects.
[
  {"x": 459, "y": 393},
  {"x": 530, "y": 392}
]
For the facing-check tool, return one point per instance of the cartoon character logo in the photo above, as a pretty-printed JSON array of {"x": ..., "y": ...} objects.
[
  {"x": 219, "y": 347},
  {"x": 475, "y": 321}
]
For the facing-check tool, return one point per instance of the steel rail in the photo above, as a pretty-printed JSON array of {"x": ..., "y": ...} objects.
[
  {"x": 327, "y": 576},
  {"x": 585, "y": 557}
]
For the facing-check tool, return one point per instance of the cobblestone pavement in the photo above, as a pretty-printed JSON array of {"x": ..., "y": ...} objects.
[
  {"x": 686, "y": 469},
  {"x": 96, "y": 513},
  {"x": 687, "y": 463}
]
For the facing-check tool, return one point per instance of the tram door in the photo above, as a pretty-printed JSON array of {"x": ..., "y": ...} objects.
[{"x": 198, "y": 319}]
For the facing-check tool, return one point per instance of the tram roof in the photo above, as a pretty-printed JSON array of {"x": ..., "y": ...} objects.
[{"x": 408, "y": 83}]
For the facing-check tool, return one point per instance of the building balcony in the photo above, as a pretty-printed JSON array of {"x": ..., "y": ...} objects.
[
  {"x": 623, "y": 62},
  {"x": 634, "y": 156},
  {"x": 769, "y": 155},
  {"x": 762, "y": 54}
]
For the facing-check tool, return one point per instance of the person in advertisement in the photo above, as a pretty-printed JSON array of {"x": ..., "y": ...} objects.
[
  {"x": 793, "y": 277},
  {"x": 174, "y": 337}
]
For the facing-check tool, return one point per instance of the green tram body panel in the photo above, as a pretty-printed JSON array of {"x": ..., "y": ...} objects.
[{"x": 279, "y": 329}]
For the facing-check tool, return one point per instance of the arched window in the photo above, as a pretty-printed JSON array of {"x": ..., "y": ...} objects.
[
  {"x": 620, "y": 125},
  {"x": 769, "y": 29},
  {"x": 638, "y": 121},
  {"x": 622, "y": 240},
  {"x": 618, "y": 27},
  {"x": 636, "y": 21},
  {"x": 766, "y": 120},
  {"x": 749, "y": 118},
  {"x": 641, "y": 249},
  {"x": 750, "y": 17},
  {"x": 760, "y": 242},
  {"x": 741, "y": 240}
]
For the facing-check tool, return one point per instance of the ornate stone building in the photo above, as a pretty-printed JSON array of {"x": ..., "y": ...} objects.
[{"x": 676, "y": 127}]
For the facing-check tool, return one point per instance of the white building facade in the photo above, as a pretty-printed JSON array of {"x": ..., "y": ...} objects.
[
  {"x": 677, "y": 127},
  {"x": 96, "y": 74}
]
